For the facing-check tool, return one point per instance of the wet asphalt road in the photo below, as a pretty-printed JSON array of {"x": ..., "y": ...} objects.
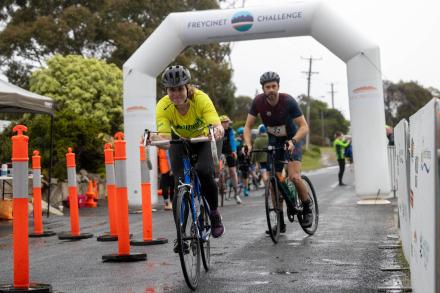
[{"x": 343, "y": 255}]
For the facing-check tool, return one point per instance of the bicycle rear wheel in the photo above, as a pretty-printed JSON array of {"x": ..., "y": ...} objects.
[
  {"x": 273, "y": 212},
  {"x": 315, "y": 211},
  {"x": 205, "y": 231},
  {"x": 188, "y": 245}
]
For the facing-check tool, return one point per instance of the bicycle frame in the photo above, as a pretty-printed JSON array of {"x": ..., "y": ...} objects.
[
  {"x": 273, "y": 176},
  {"x": 191, "y": 180}
]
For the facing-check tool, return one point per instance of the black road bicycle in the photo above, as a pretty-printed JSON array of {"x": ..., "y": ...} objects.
[{"x": 277, "y": 191}]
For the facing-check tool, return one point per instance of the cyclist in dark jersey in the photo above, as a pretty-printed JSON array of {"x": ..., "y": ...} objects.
[{"x": 285, "y": 123}]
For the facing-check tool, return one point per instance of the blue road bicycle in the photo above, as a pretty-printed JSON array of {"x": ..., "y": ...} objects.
[{"x": 191, "y": 213}]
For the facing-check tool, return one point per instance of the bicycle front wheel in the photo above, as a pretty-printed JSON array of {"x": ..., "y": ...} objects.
[
  {"x": 205, "y": 235},
  {"x": 273, "y": 212},
  {"x": 221, "y": 189},
  {"x": 188, "y": 245},
  {"x": 315, "y": 211}
]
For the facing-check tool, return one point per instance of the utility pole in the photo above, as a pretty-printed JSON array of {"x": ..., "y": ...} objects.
[
  {"x": 332, "y": 92},
  {"x": 322, "y": 127},
  {"x": 309, "y": 75}
]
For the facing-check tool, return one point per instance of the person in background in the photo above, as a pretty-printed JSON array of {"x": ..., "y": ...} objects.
[
  {"x": 348, "y": 150},
  {"x": 340, "y": 145},
  {"x": 229, "y": 149},
  {"x": 166, "y": 178},
  {"x": 261, "y": 142},
  {"x": 244, "y": 162},
  {"x": 390, "y": 134}
]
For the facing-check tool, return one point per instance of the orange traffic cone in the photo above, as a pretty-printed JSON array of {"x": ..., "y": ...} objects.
[
  {"x": 111, "y": 194},
  {"x": 90, "y": 203},
  {"x": 123, "y": 254},
  {"x": 38, "y": 221},
  {"x": 74, "y": 233},
  {"x": 20, "y": 222},
  {"x": 147, "y": 214}
]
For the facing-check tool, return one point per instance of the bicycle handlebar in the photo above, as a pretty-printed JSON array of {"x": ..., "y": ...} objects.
[
  {"x": 180, "y": 140},
  {"x": 165, "y": 142},
  {"x": 268, "y": 149}
]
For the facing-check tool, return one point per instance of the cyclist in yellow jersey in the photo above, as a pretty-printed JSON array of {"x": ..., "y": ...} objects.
[{"x": 186, "y": 111}]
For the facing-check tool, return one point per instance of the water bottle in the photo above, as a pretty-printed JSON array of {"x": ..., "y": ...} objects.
[
  {"x": 292, "y": 194},
  {"x": 286, "y": 186}
]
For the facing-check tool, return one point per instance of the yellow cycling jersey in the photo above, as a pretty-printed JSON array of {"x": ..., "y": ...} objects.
[{"x": 201, "y": 113}]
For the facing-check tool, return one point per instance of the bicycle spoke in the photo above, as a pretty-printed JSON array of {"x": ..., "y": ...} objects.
[
  {"x": 188, "y": 243},
  {"x": 272, "y": 210}
]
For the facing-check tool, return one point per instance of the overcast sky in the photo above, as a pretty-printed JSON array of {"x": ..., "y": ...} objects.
[{"x": 407, "y": 32}]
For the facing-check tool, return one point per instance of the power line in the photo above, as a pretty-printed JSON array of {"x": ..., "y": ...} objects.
[{"x": 309, "y": 81}]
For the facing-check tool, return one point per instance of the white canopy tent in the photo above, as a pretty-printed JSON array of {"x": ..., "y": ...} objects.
[
  {"x": 14, "y": 99},
  {"x": 18, "y": 100},
  {"x": 315, "y": 19}
]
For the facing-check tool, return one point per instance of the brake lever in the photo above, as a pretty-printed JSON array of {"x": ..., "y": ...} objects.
[{"x": 147, "y": 134}]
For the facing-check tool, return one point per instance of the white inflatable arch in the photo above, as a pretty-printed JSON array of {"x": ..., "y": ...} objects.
[{"x": 316, "y": 19}]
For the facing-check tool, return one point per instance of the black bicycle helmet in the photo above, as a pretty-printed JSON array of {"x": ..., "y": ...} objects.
[
  {"x": 175, "y": 76},
  {"x": 269, "y": 76}
]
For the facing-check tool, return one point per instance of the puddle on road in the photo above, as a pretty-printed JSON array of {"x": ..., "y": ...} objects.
[
  {"x": 280, "y": 272},
  {"x": 338, "y": 262},
  {"x": 277, "y": 272},
  {"x": 260, "y": 282},
  {"x": 218, "y": 253},
  {"x": 96, "y": 225}
]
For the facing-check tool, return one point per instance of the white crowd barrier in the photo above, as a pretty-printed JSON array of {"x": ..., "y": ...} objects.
[
  {"x": 418, "y": 191},
  {"x": 391, "y": 151},
  {"x": 401, "y": 140}
]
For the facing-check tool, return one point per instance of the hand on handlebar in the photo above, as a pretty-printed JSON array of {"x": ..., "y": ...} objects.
[
  {"x": 246, "y": 150},
  {"x": 218, "y": 132},
  {"x": 150, "y": 136},
  {"x": 146, "y": 139},
  {"x": 290, "y": 146}
]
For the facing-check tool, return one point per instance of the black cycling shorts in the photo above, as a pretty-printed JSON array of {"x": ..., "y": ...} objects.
[{"x": 231, "y": 161}]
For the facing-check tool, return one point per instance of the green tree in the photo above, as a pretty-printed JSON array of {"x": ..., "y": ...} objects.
[
  {"x": 106, "y": 29},
  {"x": 324, "y": 122},
  {"x": 86, "y": 87},
  {"x": 404, "y": 99},
  {"x": 240, "y": 110},
  {"x": 88, "y": 95}
]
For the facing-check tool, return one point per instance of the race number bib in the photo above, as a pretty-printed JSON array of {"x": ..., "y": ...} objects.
[{"x": 277, "y": 130}]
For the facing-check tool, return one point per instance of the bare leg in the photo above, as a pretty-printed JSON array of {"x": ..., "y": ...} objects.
[
  {"x": 234, "y": 178},
  {"x": 294, "y": 171}
]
